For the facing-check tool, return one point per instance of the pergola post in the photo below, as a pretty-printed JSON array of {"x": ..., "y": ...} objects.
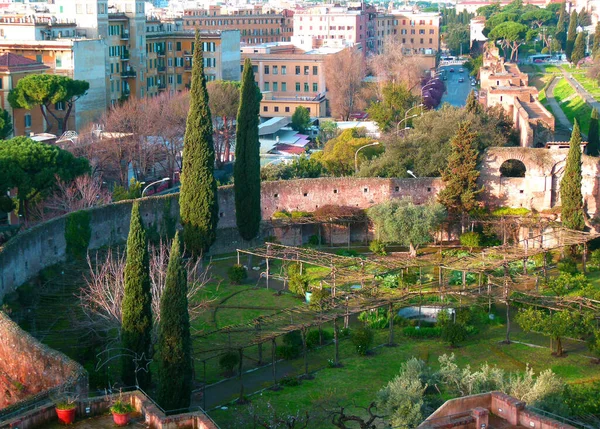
[
  {"x": 260, "y": 346},
  {"x": 391, "y": 324},
  {"x": 336, "y": 342},
  {"x": 238, "y": 256},
  {"x": 347, "y": 316},
  {"x": 506, "y": 298},
  {"x": 546, "y": 267},
  {"x": 525, "y": 265},
  {"x": 479, "y": 283},
  {"x": 333, "y": 280},
  {"x": 240, "y": 372},
  {"x": 274, "y": 359},
  {"x": 305, "y": 351},
  {"x": 584, "y": 258},
  {"x": 464, "y": 279}
]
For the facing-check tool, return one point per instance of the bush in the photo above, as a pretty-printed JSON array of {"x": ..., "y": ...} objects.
[
  {"x": 595, "y": 258},
  {"x": 78, "y": 233},
  {"x": 237, "y": 274},
  {"x": 289, "y": 381},
  {"x": 300, "y": 214},
  {"x": 510, "y": 211},
  {"x": 362, "y": 338},
  {"x": 292, "y": 346},
  {"x": 313, "y": 339},
  {"x": 470, "y": 240},
  {"x": 423, "y": 332},
  {"x": 377, "y": 247},
  {"x": 298, "y": 283},
  {"x": 567, "y": 265},
  {"x": 313, "y": 240},
  {"x": 347, "y": 252},
  {"x": 454, "y": 333},
  {"x": 344, "y": 332},
  {"x": 281, "y": 214},
  {"x": 538, "y": 259},
  {"x": 375, "y": 319},
  {"x": 319, "y": 297},
  {"x": 330, "y": 210},
  {"x": 228, "y": 362}
]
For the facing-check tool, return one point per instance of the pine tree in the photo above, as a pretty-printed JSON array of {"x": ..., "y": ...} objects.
[
  {"x": 198, "y": 203},
  {"x": 571, "y": 35},
  {"x": 136, "y": 308},
  {"x": 174, "y": 340},
  {"x": 246, "y": 170},
  {"x": 460, "y": 191},
  {"x": 561, "y": 26},
  {"x": 570, "y": 185},
  {"x": 579, "y": 49},
  {"x": 593, "y": 146},
  {"x": 472, "y": 105},
  {"x": 596, "y": 43}
]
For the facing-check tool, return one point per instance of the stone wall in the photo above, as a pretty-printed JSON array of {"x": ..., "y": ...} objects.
[{"x": 30, "y": 370}]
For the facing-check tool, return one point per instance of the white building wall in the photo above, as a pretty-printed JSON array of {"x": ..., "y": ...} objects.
[
  {"x": 230, "y": 55},
  {"x": 89, "y": 65}
]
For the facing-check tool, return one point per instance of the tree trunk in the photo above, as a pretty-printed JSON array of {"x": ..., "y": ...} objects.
[
  {"x": 559, "y": 348},
  {"x": 412, "y": 250},
  {"x": 305, "y": 352}
]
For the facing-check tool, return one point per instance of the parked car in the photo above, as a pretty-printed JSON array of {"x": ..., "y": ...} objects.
[
  {"x": 461, "y": 80},
  {"x": 460, "y": 70},
  {"x": 473, "y": 83},
  {"x": 451, "y": 70},
  {"x": 444, "y": 77}
]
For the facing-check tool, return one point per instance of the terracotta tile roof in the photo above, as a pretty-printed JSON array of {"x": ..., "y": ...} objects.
[{"x": 12, "y": 62}]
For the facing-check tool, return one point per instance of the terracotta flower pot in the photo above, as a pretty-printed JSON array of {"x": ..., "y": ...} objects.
[
  {"x": 66, "y": 417},
  {"x": 121, "y": 419}
]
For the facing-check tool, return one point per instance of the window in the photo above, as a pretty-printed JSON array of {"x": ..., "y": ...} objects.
[
  {"x": 178, "y": 46},
  {"x": 315, "y": 87},
  {"x": 283, "y": 69},
  {"x": 283, "y": 86},
  {"x": 266, "y": 86},
  {"x": 112, "y": 68},
  {"x": 59, "y": 61},
  {"x": 265, "y": 108},
  {"x": 297, "y": 86},
  {"x": 38, "y": 58},
  {"x": 276, "y": 108},
  {"x": 266, "y": 69},
  {"x": 306, "y": 70},
  {"x": 306, "y": 87},
  {"x": 430, "y": 40},
  {"x": 27, "y": 120},
  {"x": 79, "y": 9},
  {"x": 421, "y": 31},
  {"x": 170, "y": 46},
  {"x": 60, "y": 105},
  {"x": 297, "y": 70},
  {"x": 89, "y": 9},
  {"x": 412, "y": 31},
  {"x": 432, "y": 31},
  {"x": 179, "y": 79},
  {"x": 403, "y": 31},
  {"x": 315, "y": 70},
  {"x": 287, "y": 110},
  {"x": 275, "y": 70},
  {"x": 170, "y": 62},
  {"x": 275, "y": 87}
]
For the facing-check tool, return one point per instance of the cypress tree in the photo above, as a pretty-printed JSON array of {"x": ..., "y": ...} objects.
[
  {"x": 198, "y": 204},
  {"x": 596, "y": 43},
  {"x": 246, "y": 170},
  {"x": 570, "y": 185},
  {"x": 174, "y": 340},
  {"x": 472, "y": 105},
  {"x": 460, "y": 191},
  {"x": 136, "y": 308},
  {"x": 593, "y": 146},
  {"x": 561, "y": 26},
  {"x": 571, "y": 35},
  {"x": 579, "y": 49}
]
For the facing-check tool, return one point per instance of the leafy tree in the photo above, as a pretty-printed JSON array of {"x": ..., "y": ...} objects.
[
  {"x": 362, "y": 338},
  {"x": 596, "y": 42},
  {"x": 134, "y": 191},
  {"x": 246, "y": 171},
  {"x": 571, "y": 34},
  {"x": 45, "y": 90},
  {"x": 174, "y": 345},
  {"x": 298, "y": 283},
  {"x": 339, "y": 153},
  {"x": 473, "y": 105},
  {"x": 511, "y": 36},
  {"x": 470, "y": 240},
  {"x": 572, "y": 215},
  {"x": 33, "y": 168},
  {"x": 344, "y": 73},
  {"x": 457, "y": 38},
  {"x": 327, "y": 131},
  {"x": 301, "y": 119},
  {"x": 555, "y": 324},
  {"x": 301, "y": 167},
  {"x": 405, "y": 223},
  {"x": 460, "y": 192},
  {"x": 198, "y": 204},
  {"x": 593, "y": 146},
  {"x": 579, "y": 49},
  {"x": 6, "y": 126},
  {"x": 537, "y": 17},
  {"x": 391, "y": 109},
  {"x": 561, "y": 26},
  {"x": 224, "y": 101},
  {"x": 402, "y": 399},
  {"x": 474, "y": 64},
  {"x": 136, "y": 327}
]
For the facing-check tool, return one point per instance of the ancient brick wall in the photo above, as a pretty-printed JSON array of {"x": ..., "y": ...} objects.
[{"x": 28, "y": 369}]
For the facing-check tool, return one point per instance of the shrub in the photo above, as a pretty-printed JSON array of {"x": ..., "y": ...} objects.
[
  {"x": 423, "y": 332},
  {"x": 375, "y": 319},
  {"x": 292, "y": 345},
  {"x": 344, "y": 332},
  {"x": 237, "y": 274},
  {"x": 470, "y": 240},
  {"x": 347, "y": 252},
  {"x": 377, "y": 247},
  {"x": 454, "y": 333},
  {"x": 319, "y": 297},
  {"x": 313, "y": 338},
  {"x": 296, "y": 214},
  {"x": 78, "y": 233},
  {"x": 281, "y": 214},
  {"x": 289, "y": 381},
  {"x": 362, "y": 338},
  {"x": 313, "y": 240},
  {"x": 595, "y": 258},
  {"x": 538, "y": 259},
  {"x": 330, "y": 210},
  {"x": 228, "y": 362},
  {"x": 567, "y": 265},
  {"x": 510, "y": 211},
  {"x": 298, "y": 283}
]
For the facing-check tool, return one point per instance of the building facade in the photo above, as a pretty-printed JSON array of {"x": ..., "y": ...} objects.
[{"x": 418, "y": 32}]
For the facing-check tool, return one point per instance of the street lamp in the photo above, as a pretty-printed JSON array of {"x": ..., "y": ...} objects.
[
  {"x": 411, "y": 173},
  {"x": 403, "y": 120},
  {"x": 164, "y": 179},
  {"x": 414, "y": 107},
  {"x": 426, "y": 85},
  {"x": 356, "y": 154}
]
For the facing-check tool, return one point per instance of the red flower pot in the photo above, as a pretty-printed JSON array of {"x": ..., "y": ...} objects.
[
  {"x": 66, "y": 417},
  {"x": 121, "y": 419}
]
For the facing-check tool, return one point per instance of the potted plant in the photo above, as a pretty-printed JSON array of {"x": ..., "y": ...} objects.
[
  {"x": 66, "y": 408},
  {"x": 120, "y": 411}
]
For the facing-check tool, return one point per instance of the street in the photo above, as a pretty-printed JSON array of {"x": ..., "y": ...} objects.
[{"x": 456, "y": 92}]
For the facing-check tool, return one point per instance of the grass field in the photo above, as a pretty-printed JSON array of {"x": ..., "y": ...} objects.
[{"x": 573, "y": 106}]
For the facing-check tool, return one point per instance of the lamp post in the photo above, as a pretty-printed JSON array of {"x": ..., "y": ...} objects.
[
  {"x": 164, "y": 179},
  {"x": 403, "y": 120},
  {"x": 356, "y": 154},
  {"x": 414, "y": 107},
  {"x": 426, "y": 85},
  {"x": 411, "y": 173}
]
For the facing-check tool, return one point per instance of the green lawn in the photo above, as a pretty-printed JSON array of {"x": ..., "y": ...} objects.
[{"x": 573, "y": 106}]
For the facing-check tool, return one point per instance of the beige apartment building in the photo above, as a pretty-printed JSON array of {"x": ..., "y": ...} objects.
[
  {"x": 289, "y": 77},
  {"x": 255, "y": 25}
]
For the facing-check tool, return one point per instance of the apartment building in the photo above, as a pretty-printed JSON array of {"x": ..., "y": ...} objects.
[
  {"x": 354, "y": 24},
  {"x": 255, "y": 25},
  {"x": 289, "y": 77},
  {"x": 418, "y": 32}
]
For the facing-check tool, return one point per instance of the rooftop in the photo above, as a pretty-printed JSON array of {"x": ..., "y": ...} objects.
[{"x": 10, "y": 62}]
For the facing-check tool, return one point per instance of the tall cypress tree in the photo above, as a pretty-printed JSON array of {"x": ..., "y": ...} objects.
[
  {"x": 593, "y": 146},
  {"x": 570, "y": 185},
  {"x": 198, "y": 203},
  {"x": 246, "y": 170},
  {"x": 596, "y": 43},
  {"x": 174, "y": 340},
  {"x": 561, "y": 26},
  {"x": 473, "y": 105},
  {"x": 460, "y": 178},
  {"x": 136, "y": 307},
  {"x": 571, "y": 35},
  {"x": 579, "y": 49}
]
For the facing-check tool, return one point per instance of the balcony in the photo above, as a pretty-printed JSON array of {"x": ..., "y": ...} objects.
[
  {"x": 125, "y": 56},
  {"x": 127, "y": 74},
  {"x": 187, "y": 67},
  {"x": 187, "y": 53},
  {"x": 162, "y": 86},
  {"x": 125, "y": 35},
  {"x": 160, "y": 53},
  {"x": 161, "y": 68}
]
